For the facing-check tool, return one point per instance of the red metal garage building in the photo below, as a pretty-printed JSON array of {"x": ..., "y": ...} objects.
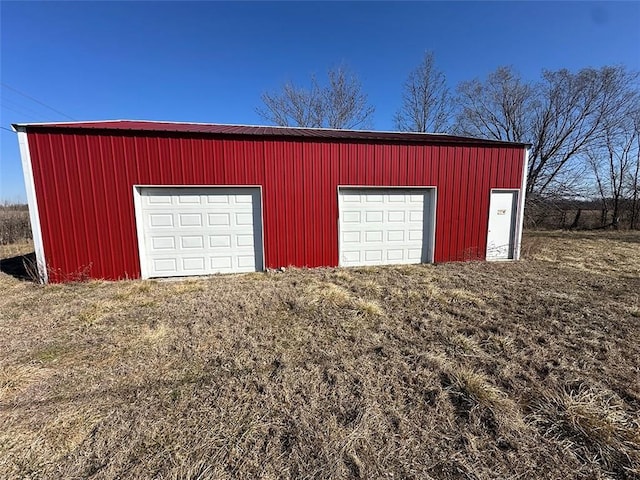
[{"x": 130, "y": 199}]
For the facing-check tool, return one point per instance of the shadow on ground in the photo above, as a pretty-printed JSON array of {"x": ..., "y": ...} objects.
[{"x": 19, "y": 266}]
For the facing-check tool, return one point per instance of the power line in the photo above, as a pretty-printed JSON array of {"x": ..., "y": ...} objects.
[
  {"x": 7, "y": 129},
  {"x": 10, "y": 102},
  {"x": 35, "y": 100},
  {"x": 28, "y": 115}
]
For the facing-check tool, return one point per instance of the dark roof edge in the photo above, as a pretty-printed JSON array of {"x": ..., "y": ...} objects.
[{"x": 265, "y": 131}]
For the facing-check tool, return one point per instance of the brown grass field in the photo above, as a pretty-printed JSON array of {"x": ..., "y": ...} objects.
[
  {"x": 473, "y": 370},
  {"x": 14, "y": 223}
]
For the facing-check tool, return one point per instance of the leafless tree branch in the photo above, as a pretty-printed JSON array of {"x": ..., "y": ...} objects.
[
  {"x": 340, "y": 104},
  {"x": 426, "y": 101},
  {"x": 563, "y": 115}
]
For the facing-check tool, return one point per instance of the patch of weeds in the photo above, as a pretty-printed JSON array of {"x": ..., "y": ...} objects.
[
  {"x": 188, "y": 286},
  {"x": 343, "y": 274},
  {"x": 433, "y": 293},
  {"x": 175, "y": 394},
  {"x": 593, "y": 424},
  {"x": 92, "y": 314},
  {"x": 496, "y": 343},
  {"x": 531, "y": 247},
  {"x": 369, "y": 307},
  {"x": 634, "y": 311},
  {"x": 477, "y": 387},
  {"x": 153, "y": 335},
  {"x": 16, "y": 377},
  {"x": 327, "y": 294},
  {"x": 354, "y": 465},
  {"x": 134, "y": 288},
  {"x": 465, "y": 297},
  {"x": 370, "y": 286},
  {"x": 146, "y": 303},
  {"x": 415, "y": 295},
  {"x": 50, "y": 353},
  {"x": 464, "y": 343},
  {"x": 483, "y": 407},
  {"x": 67, "y": 430}
]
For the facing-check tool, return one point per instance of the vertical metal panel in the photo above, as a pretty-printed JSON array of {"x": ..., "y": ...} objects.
[
  {"x": 465, "y": 208},
  {"x": 457, "y": 212},
  {"x": 445, "y": 205},
  {"x": 84, "y": 185},
  {"x": 474, "y": 201}
]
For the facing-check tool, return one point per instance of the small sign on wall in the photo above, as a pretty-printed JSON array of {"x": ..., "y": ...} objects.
[{"x": 502, "y": 212}]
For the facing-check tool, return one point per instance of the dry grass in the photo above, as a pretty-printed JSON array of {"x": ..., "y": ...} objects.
[
  {"x": 14, "y": 224},
  {"x": 22, "y": 247},
  {"x": 470, "y": 370}
]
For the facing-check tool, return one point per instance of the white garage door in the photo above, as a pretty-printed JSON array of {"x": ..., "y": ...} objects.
[
  {"x": 386, "y": 226},
  {"x": 198, "y": 231}
]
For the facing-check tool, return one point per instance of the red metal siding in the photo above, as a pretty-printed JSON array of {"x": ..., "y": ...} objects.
[{"x": 84, "y": 185}]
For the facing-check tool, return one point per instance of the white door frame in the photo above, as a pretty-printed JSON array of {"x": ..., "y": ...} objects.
[
  {"x": 521, "y": 203},
  {"x": 434, "y": 203},
  {"x": 516, "y": 232},
  {"x": 137, "y": 206}
]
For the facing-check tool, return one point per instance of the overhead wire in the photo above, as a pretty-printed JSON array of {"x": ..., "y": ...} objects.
[
  {"x": 13, "y": 103},
  {"x": 23, "y": 113},
  {"x": 9, "y": 87}
]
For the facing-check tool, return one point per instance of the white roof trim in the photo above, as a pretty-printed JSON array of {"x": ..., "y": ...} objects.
[{"x": 38, "y": 124}]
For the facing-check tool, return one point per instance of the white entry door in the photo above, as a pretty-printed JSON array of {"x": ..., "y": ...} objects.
[
  {"x": 502, "y": 225},
  {"x": 198, "y": 230},
  {"x": 381, "y": 226}
]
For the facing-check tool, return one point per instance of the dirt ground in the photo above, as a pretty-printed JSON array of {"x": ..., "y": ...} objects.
[{"x": 473, "y": 370}]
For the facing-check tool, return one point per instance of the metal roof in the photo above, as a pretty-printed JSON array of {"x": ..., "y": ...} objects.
[{"x": 264, "y": 131}]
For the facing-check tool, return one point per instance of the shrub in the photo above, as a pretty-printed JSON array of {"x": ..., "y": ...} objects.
[{"x": 14, "y": 224}]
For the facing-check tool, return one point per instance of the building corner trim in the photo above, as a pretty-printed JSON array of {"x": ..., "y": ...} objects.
[
  {"x": 32, "y": 200},
  {"x": 522, "y": 199}
]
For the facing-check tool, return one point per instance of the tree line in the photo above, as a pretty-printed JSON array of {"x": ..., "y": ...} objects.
[{"x": 584, "y": 126}]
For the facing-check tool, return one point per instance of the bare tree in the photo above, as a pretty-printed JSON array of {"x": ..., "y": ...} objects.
[
  {"x": 562, "y": 116},
  {"x": 498, "y": 108},
  {"x": 426, "y": 101},
  {"x": 293, "y": 106},
  {"x": 345, "y": 104},
  {"x": 634, "y": 188},
  {"x": 633, "y": 178},
  {"x": 574, "y": 112},
  {"x": 340, "y": 104},
  {"x": 613, "y": 162}
]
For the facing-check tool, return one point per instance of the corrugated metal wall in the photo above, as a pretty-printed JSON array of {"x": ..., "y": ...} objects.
[{"x": 84, "y": 185}]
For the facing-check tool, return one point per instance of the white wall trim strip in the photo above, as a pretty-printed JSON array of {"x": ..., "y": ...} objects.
[
  {"x": 34, "y": 214},
  {"x": 137, "y": 209},
  {"x": 523, "y": 195}
]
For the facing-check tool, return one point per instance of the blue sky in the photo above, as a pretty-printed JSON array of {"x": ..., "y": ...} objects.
[{"x": 210, "y": 61}]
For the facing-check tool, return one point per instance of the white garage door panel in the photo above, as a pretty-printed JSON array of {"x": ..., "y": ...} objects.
[
  {"x": 385, "y": 226},
  {"x": 200, "y": 231}
]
